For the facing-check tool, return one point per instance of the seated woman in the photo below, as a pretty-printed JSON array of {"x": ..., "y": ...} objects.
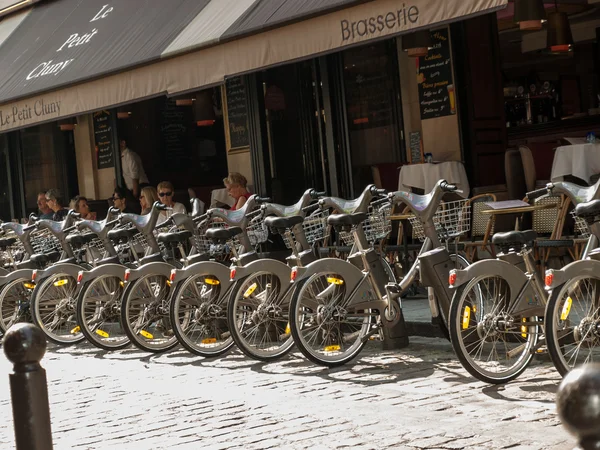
[
  {"x": 236, "y": 188},
  {"x": 166, "y": 192},
  {"x": 80, "y": 205},
  {"x": 147, "y": 198},
  {"x": 55, "y": 202}
]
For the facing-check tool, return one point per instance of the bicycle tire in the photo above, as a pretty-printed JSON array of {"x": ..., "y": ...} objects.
[{"x": 13, "y": 310}]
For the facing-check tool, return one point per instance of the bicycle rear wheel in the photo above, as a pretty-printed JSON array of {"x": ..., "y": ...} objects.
[
  {"x": 573, "y": 323},
  {"x": 327, "y": 329},
  {"x": 492, "y": 344},
  {"x": 258, "y": 315},
  {"x": 99, "y": 313},
  {"x": 15, "y": 300},
  {"x": 145, "y": 314}
]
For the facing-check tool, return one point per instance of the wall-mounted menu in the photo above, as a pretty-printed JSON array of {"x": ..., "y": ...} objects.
[
  {"x": 237, "y": 113},
  {"x": 434, "y": 75},
  {"x": 174, "y": 132},
  {"x": 103, "y": 138}
]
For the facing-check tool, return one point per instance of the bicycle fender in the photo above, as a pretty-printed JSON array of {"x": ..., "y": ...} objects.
[
  {"x": 220, "y": 271},
  {"x": 68, "y": 268},
  {"x": 514, "y": 276},
  {"x": 113, "y": 270},
  {"x": 586, "y": 267},
  {"x": 24, "y": 274},
  {"x": 277, "y": 268},
  {"x": 3, "y": 272},
  {"x": 351, "y": 274},
  {"x": 154, "y": 268}
]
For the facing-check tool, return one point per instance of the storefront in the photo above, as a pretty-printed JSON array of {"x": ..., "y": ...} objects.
[{"x": 325, "y": 86}]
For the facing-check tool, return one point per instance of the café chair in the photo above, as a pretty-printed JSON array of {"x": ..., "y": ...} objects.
[{"x": 482, "y": 228}]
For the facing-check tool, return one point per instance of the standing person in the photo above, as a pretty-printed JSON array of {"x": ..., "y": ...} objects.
[
  {"x": 133, "y": 170},
  {"x": 80, "y": 205},
  {"x": 119, "y": 199},
  {"x": 45, "y": 211},
  {"x": 236, "y": 188},
  {"x": 55, "y": 202},
  {"x": 166, "y": 192},
  {"x": 147, "y": 199}
]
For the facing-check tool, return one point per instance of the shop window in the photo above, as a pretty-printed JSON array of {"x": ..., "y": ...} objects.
[
  {"x": 371, "y": 89},
  {"x": 5, "y": 190}
]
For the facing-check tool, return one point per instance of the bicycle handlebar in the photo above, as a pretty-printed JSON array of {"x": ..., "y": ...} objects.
[
  {"x": 378, "y": 192},
  {"x": 311, "y": 208},
  {"x": 316, "y": 194},
  {"x": 447, "y": 187},
  {"x": 260, "y": 200},
  {"x": 537, "y": 193}
]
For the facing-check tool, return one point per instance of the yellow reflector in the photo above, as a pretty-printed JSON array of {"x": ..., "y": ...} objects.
[
  {"x": 169, "y": 282},
  {"x": 332, "y": 280},
  {"x": 288, "y": 329},
  {"x": 524, "y": 328},
  {"x": 146, "y": 334},
  {"x": 566, "y": 309},
  {"x": 121, "y": 283},
  {"x": 212, "y": 281},
  {"x": 76, "y": 329},
  {"x": 209, "y": 341},
  {"x": 29, "y": 285},
  {"x": 331, "y": 348},
  {"x": 61, "y": 282},
  {"x": 250, "y": 290},
  {"x": 474, "y": 308},
  {"x": 466, "y": 317},
  {"x": 104, "y": 334}
]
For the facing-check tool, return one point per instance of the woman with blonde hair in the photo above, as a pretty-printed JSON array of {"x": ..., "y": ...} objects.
[
  {"x": 148, "y": 196},
  {"x": 236, "y": 188}
]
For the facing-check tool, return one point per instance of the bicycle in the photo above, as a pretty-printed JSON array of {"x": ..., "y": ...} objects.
[
  {"x": 498, "y": 308},
  {"x": 336, "y": 301}
]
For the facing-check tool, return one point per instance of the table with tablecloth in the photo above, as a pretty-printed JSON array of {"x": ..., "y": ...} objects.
[
  {"x": 581, "y": 161},
  {"x": 425, "y": 176}
]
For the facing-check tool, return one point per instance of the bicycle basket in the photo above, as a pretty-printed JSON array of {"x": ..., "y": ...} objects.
[
  {"x": 451, "y": 220},
  {"x": 44, "y": 242},
  {"x": 582, "y": 230},
  {"x": 16, "y": 251},
  {"x": 376, "y": 227},
  {"x": 257, "y": 230},
  {"x": 315, "y": 229}
]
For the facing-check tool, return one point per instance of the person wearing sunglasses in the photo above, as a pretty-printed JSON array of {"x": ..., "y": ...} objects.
[
  {"x": 119, "y": 200},
  {"x": 147, "y": 199},
  {"x": 166, "y": 193}
]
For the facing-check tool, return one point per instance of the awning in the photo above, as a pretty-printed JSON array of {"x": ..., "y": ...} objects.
[{"x": 70, "y": 57}]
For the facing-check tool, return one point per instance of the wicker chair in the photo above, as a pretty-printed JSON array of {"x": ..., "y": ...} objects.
[
  {"x": 549, "y": 225},
  {"x": 482, "y": 227}
]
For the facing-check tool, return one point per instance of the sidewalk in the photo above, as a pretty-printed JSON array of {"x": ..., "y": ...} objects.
[{"x": 418, "y": 317}]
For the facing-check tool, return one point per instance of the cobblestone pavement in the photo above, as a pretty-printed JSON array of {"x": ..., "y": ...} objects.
[{"x": 416, "y": 398}]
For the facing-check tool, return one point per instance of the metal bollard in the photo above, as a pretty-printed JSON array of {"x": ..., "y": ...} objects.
[
  {"x": 578, "y": 405},
  {"x": 24, "y": 346}
]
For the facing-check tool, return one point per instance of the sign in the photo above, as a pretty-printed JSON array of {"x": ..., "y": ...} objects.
[
  {"x": 103, "y": 138},
  {"x": 237, "y": 114},
  {"x": 434, "y": 75},
  {"x": 416, "y": 148},
  {"x": 174, "y": 133}
]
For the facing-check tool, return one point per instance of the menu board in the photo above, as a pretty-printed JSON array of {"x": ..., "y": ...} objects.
[
  {"x": 103, "y": 138},
  {"x": 416, "y": 150},
  {"x": 434, "y": 75},
  {"x": 174, "y": 133},
  {"x": 237, "y": 113}
]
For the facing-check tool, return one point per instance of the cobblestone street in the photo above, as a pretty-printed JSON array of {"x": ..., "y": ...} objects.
[{"x": 418, "y": 398}]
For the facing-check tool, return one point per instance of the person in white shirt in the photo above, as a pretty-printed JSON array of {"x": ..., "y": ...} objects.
[
  {"x": 132, "y": 168},
  {"x": 166, "y": 193}
]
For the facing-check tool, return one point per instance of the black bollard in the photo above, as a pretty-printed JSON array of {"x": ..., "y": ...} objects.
[
  {"x": 24, "y": 346},
  {"x": 578, "y": 405}
]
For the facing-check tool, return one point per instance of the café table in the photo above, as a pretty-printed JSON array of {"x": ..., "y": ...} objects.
[
  {"x": 581, "y": 161},
  {"x": 425, "y": 176}
]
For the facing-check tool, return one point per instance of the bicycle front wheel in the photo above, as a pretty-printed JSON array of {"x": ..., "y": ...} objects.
[
  {"x": 493, "y": 344},
  {"x": 145, "y": 314},
  {"x": 99, "y": 313},
  {"x": 325, "y": 326},
  {"x": 53, "y": 309},
  {"x": 258, "y": 316},
  {"x": 15, "y": 300},
  {"x": 573, "y": 323}
]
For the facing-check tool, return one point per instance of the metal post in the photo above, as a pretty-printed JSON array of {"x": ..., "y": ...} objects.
[
  {"x": 578, "y": 405},
  {"x": 24, "y": 346}
]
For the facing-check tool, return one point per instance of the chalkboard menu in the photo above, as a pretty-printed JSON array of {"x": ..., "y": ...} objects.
[
  {"x": 237, "y": 114},
  {"x": 174, "y": 133},
  {"x": 103, "y": 139},
  {"x": 434, "y": 75}
]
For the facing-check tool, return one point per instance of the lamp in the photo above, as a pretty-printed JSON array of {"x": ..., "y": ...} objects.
[
  {"x": 417, "y": 44},
  {"x": 67, "y": 125},
  {"x": 530, "y": 14},
  {"x": 123, "y": 114},
  {"x": 184, "y": 101},
  {"x": 560, "y": 39}
]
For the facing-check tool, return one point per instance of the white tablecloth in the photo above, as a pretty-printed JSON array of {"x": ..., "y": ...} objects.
[
  {"x": 581, "y": 160},
  {"x": 425, "y": 176}
]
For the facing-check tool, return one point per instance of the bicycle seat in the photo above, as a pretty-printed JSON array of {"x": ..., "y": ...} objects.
[
  {"x": 124, "y": 234},
  {"x": 514, "y": 237},
  {"x": 283, "y": 222},
  {"x": 7, "y": 242},
  {"x": 43, "y": 258},
  {"x": 79, "y": 240},
  {"x": 347, "y": 219},
  {"x": 175, "y": 237},
  {"x": 222, "y": 234},
  {"x": 588, "y": 209}
]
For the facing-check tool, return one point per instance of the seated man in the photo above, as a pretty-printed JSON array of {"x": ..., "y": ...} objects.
[{"x": 119, "y": 199}]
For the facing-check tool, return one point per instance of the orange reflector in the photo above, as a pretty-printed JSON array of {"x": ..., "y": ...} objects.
[
  {"x": 549, "y": 278},
  {"x": 173, "y": 275},
  {"x": 452, "y": 278},
  {"x": 294, "y": 274},
  {"x": 127, "y": 273},
  {"x": 232, "y": 273},
  {"x": 29, "y": 285},
  {"x": 209, "y": 341}
]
